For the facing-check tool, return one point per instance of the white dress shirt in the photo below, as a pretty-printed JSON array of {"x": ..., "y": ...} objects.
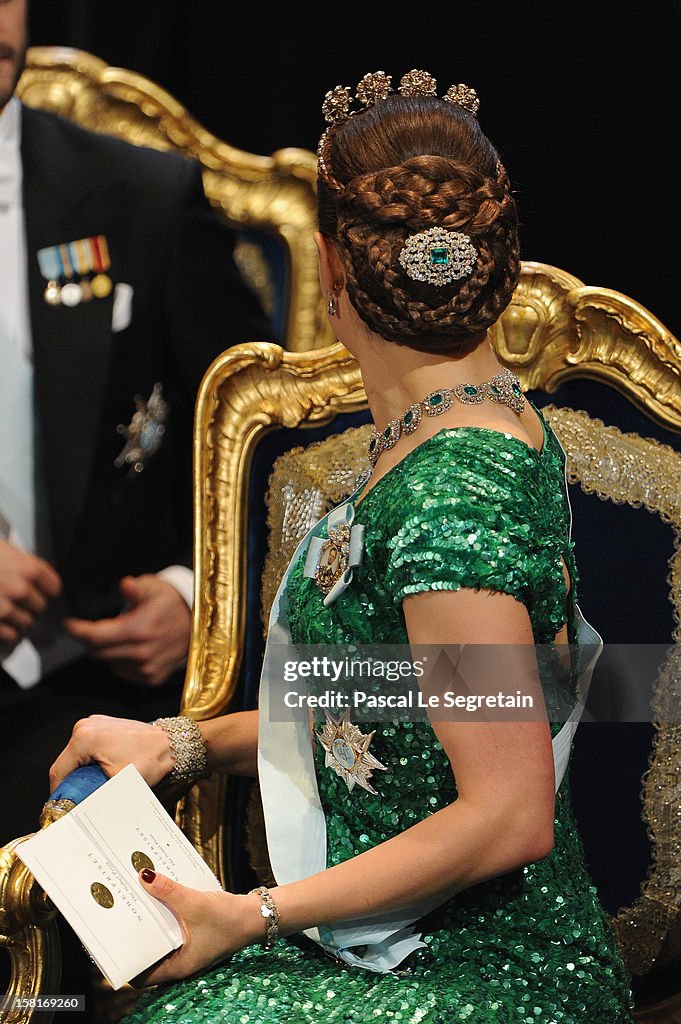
[
  {"x": 17, "y": 496},
  {"x": 16, "y": 391}
]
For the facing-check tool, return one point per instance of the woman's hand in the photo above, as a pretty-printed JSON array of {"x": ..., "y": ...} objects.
[
  {"x": 214, "y": 924},
  {"x": 115, "y": 743},
  {"x": 231, "y": 746}
]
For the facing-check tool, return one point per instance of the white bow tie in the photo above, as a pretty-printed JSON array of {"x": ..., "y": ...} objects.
[{"x": 9, "y": 175}]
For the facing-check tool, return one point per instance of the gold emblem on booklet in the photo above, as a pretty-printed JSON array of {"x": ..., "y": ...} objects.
[
  {"x": 347, "y": 752},
  {"x": 140, "y": 861},
  {"x": 101, "y": 895}
]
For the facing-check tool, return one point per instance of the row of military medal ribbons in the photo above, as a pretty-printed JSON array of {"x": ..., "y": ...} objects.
[{"x": 76, "y": 271}]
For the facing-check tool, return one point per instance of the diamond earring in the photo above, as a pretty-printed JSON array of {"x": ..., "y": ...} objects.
[{"x": 332, "y": 303}]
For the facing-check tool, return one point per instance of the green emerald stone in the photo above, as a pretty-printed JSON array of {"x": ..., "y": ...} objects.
[
  {"x": 517, "y": 390},
  {"x": 436, "y": 400},
  {"x": 372, "y": 444},
  {"x": 439, "y": 257},
  {"x": 495, "y": 389},
  {"x": 470, "y": 390},
  {"x": 408, "y": 417},
  {"x": 388, "y": 431}
]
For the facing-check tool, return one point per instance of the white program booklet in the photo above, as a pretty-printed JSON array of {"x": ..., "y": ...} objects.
[{"x": 88, "y": 862}]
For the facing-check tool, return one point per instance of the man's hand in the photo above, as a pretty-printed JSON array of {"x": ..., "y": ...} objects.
[
  {"x": 148, "y": 641},
  {"x": 26, "y": 585}
]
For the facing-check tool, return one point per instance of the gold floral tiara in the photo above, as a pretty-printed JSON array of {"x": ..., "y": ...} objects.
[{"x": 377, "y": 86}]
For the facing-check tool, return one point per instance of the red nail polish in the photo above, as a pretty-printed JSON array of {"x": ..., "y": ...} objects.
[{"x": 148, "y": 875}]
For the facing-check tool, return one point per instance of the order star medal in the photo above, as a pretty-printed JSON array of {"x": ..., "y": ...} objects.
[
  {"x": 144, "y": 433},
  {"x": 347, "y": 752}
]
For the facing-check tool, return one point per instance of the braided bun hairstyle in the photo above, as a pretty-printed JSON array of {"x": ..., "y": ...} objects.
[{"x": 404, "y": 165}]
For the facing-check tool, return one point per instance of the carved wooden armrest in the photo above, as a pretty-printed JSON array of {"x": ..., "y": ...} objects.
[{"x": 28, "y": 931}]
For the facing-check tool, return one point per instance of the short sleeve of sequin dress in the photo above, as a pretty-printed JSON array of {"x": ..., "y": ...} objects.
[{"x": 467, "y": 508}]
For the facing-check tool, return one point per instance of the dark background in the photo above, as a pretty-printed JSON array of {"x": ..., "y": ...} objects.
[{"x": 582, "y": 100}]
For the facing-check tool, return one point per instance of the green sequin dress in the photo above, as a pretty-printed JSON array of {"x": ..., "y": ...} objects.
[{"x": 469, "y": 507}]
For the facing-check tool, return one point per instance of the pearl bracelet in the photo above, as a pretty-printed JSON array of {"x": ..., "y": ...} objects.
[
  {"x": 268, "y": 909},
  {"x": 188, "y": 750}
]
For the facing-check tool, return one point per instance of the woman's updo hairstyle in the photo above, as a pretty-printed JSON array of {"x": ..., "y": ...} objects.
[{"x": 405, "y": 164}]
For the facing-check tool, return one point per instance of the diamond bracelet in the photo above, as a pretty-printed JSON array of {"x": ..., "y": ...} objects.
[
  {"x": 269, "y": 912},
  {"x": 187, "y": 747}
]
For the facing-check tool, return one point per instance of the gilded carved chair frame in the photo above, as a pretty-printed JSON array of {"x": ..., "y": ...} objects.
[{"x": 275, "y": 194}]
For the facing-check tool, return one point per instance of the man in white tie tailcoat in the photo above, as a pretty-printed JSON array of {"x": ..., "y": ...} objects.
[{"x": 117, "y": 291}]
